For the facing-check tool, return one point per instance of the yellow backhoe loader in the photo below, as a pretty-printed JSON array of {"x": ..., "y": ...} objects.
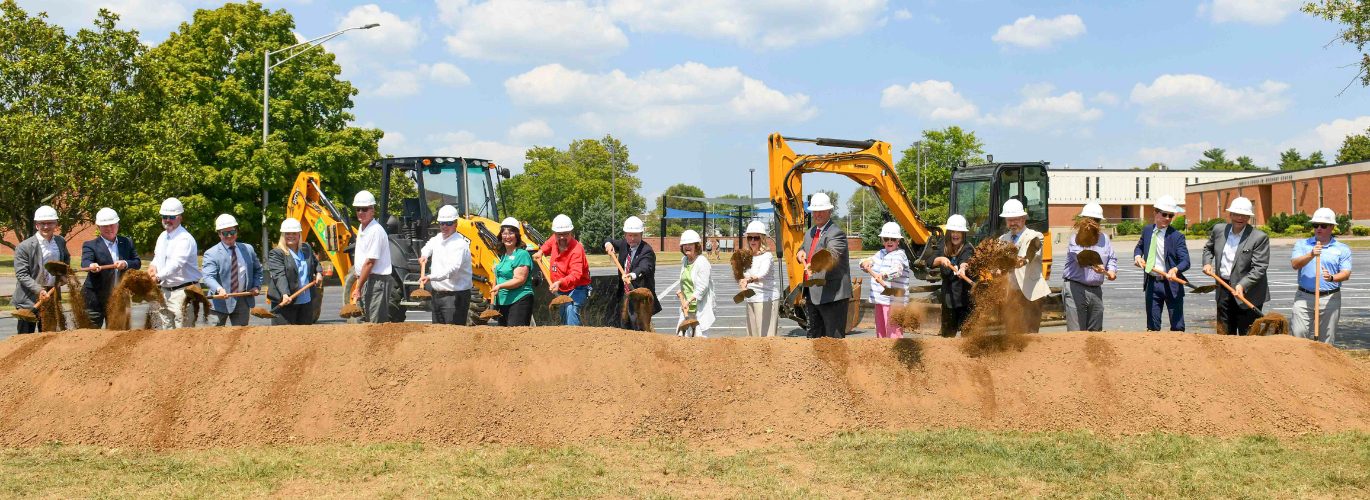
[{"x": 976, "y": 193}]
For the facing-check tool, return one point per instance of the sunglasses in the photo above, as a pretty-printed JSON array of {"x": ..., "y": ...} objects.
[
  {"x": 887, "y": 240},
  {"x": 448, "y": 223},
  {"x": 229, "y": 232},
  {"x": 1321, "y": 226},
  {"x": 169, "y": 217},
  {"x": 753, "y": 238},
  {"x": 365, "y": 209},
  {"x": 1166, "y": 215}
]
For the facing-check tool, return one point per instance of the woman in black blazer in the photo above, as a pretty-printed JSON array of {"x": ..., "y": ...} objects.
[{"x": 293, "y": 265}]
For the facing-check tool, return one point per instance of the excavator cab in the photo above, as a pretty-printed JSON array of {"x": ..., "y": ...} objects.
[{"x": 979, "y": 191}]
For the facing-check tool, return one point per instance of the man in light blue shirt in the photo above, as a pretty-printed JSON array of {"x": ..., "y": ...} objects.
[{"x": 1336, "y": 268}]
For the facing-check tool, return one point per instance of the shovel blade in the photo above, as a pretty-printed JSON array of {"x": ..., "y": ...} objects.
[
  {"x": 893, "y": 292},
  {"x": 1205, "y": 289},
  {"x": 737, "y": 299}
]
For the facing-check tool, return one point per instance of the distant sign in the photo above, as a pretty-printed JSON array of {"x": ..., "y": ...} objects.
[{"x": 1266, "y": 180}]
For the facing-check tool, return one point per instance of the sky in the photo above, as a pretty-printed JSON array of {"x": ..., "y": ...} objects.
[{"x": 694, "y": 88}]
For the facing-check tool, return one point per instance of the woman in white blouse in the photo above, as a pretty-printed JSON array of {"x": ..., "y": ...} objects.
[
  {"x": 889, "y": 268},
  {"x": 763, "y": 308},
  {"x": 696, "y": 291}
]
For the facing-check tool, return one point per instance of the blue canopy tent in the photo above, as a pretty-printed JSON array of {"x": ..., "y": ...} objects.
[{"x": 745, "y": 209}]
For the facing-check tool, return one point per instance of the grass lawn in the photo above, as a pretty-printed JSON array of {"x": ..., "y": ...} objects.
[{"x": 926, "y": 464}]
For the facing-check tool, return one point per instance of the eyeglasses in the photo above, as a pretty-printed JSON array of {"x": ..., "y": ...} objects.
[
  {"x": 169, "y": 217},
  {"x": 1166, "y": 215},
  {"x": 448, "y": 223},
  {"x": 229, "y": 232},
  {"x": 365, "y": 209},
  {"x": 1321, "y": 226}
]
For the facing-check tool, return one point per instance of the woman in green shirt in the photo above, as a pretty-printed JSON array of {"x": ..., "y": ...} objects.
[{"x": 513, "y": 293}]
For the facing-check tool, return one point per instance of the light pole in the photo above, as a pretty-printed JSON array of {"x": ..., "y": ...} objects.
[
  {"x": 266, "y": 94},
  {"x": 918, "y": 145}
]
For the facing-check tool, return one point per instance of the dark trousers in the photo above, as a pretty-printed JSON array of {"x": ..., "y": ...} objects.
[
  {"x": 1234, "y": 318},
  {"x": 953, "y": 318},
  {"x": 26, "y": 327},
  {"x": 375, "y": 301},
  {"x": 1159, "y": 296},
  {"x": 450, "y": 308},
  {"x": 94, "y": 308},
  {"x": 827, "y": 320},
  {"x": 520, "y": 313},
  {"x": 294, "y": 314}
]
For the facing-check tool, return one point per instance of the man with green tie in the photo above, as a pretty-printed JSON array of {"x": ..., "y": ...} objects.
[{"x": 1163, "y": 256}]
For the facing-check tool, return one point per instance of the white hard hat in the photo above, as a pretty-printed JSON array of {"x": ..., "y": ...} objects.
[
  {"x": 1093, "y": 210},
  {"x": 364, "y": 198},
  {"x": 1167, "y": 204},
  {"x": 956, "y": 223},
  {"x": 1324, "y": 215},
  {"x": 562, "y": 223},
  {"x": 632, "y": 225},
  {"x": 447, "y": 213},
  {"x": 1013, "y": 208},
  {"x": 756, "y": 227},
  {"x": 820, "y": 202},
  {"x": 225, "y": 221},
  {"x": 891, "y": 230},
  {"x": 1240, "y": 205},
  {"x": 511, "y": 222},
  {"x": 171, "y": 206},
  {"x": 688, "y": 237},
  {"x": 106, "y": 216},
  {"x": 291, "y": 225},
  {"x": 45, "y": 213}
]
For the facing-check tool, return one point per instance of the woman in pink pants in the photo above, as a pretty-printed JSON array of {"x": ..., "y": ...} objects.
[{"x": 889, "y": 268}]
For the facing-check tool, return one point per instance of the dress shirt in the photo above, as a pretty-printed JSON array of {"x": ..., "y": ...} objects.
[
  {"x": 50, "y": 253},
  {"x": 1085, "y": 275},
  {"x": 176, "y": 258},
  {"x": 302, "y": 267},
  {"x": 1229, "y": 253},
  {"x": 450, "y": 268},
  {"x": 372, "y": 243}
]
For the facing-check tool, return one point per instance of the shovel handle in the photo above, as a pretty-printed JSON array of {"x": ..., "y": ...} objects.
[
  {"x": 1229, "y": 289},
  {"x": 306, "y": 287},
  {"x": 621, "y": 271},
  {"x": 234, "y": 294},
  {"x": 1317, "y": 296}
]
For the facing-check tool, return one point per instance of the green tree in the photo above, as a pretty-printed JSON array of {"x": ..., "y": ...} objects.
[
  {"x": 1216, "y": 159},
  {"x": 84, "y": 123},
  {"x": 1154, "y": 166},
  {"x": 213, "y": 64},
  {"x": 1246, "y": 163},
  {"x": 942, "y": 150},
  {"x": 1354, "y": 148},
  {"x": 1292, "y": 160},
  {"x": 1355, "y": 15},
  {"x": 1316, "y": 160},
  {"x": 565, "y": 181},
  {"x": 596, "y": 226}
]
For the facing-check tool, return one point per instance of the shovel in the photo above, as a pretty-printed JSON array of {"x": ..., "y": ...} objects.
[
  {"x": 419, "y": 293},
  {"x": 822, "y": 261},
  {"x": 351, "y": 310},
  {"x": 27, "y": 313},
  {"x": 1229, "y": 289},
  {"x": 743, "y": 295},
  {"x": 263, "y": 313},
  {"x": 1317, "y": 295},
  {"x": 59, "y": 268}
]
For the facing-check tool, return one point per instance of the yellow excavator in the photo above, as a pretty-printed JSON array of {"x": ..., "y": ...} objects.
[
  {"x": 976, "y": 193},
  {"x": 470, "y": 184}
]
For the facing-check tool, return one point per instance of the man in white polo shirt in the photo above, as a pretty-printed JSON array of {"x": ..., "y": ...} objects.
[
  {"x": 372, "y": 261},
  {"x": 175, "y": 264},
  {"x": 450, "y": 272}
]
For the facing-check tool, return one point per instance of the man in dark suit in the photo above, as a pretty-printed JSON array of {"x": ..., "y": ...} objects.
[
  {"x": 1163, "y": 256},
  {"x": 639, "y": 260},
  {"x": 109, "y": 255},
  {"x": 826, "y": 305},
  {"x": 34, "y": 283},
  {"x": 1240, "y": 255}
]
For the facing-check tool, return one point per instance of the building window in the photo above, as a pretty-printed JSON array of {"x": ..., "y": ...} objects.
[
  {"x": 1097, "y": 192},
  {"x": 1148, "y": 188},
  {"x": 1348, "y": 194},
  {"x": 1139, "y": 188},
  {"x": 1294, "y": 197},
  {"x": 1320, "y": 203},
  {"x": 1086, "y": 188}
]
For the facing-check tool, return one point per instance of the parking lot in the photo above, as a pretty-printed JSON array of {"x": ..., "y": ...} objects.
[{"x": 1124, "y": 297}]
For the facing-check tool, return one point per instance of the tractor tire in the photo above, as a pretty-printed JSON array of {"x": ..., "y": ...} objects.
[
  {"x": 478, "y": 305},
  {"x": 398, "y": 313}
]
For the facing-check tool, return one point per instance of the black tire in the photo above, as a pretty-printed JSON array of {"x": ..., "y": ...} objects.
[
  {"x": 397, "y": 294},
  {"x": 478, "y": 305}
]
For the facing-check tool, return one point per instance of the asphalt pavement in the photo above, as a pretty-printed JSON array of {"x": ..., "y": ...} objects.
[{"x": 1124, "y": 298}]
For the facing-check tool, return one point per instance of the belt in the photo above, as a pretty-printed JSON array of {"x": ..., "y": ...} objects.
[
  {"x": 1324, "y": 292},
  {"x": 446, "y": 293},
  {"x": 1153, "y": 277},
  {"x": 1081, "y": 283},
  {"x": 178, "y": 287}
]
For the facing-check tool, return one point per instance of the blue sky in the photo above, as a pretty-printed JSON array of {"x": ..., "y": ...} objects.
[{"x": 694, "y": 88}]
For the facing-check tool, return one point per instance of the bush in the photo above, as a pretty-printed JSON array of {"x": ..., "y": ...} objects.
[
  {"x": 1295, "y": 230},
  {"x": 1343, "y": 223},
  {"x": 1360, "y": 230},
  {"x": 1180, "y": 223},
  {"x": 1280, "y": 222},
  {"x": 1264, "y": 229},
  {"x": 1129, "y": 227}
]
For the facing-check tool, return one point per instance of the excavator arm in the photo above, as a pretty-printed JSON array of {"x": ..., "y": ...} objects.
[
  {"x": 315, "y": 211},
  {"x": 869, "y": 166}
]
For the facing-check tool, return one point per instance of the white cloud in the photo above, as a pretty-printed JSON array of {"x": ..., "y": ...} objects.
[
  {"x": 903, "y": 14},
  {"x": 1327, "y": 137},
  {"x": 1041, "y": 110},
  {"x": 394, "y": 143},
  {"x": 370, "y": 49},
  {"x": 530, "y": 29},
  {"x": 153, "y": 18},
  {"x": 530, "y": 131},
  {"x": 1039, "y": 33},
  {"x": 656, "y": 102},
  {"x": 1249, "y": 11},
  {"x": 1177, "y": 99},
  {"x": 398, "y": 84},
  {"x": 1106, "y": 98},
  {"x": 465, "y": 144},
  {"x": 766, "y": 24},
  {"x": 1177, "y": 157},
  {"x": 932, "y": 99},
  {"x": 446, "y": 74}
]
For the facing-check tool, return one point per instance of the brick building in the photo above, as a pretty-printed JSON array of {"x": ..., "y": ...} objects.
[
  {"x": 1342, "y": 188},
  {"x": 1124, "y": 194}
]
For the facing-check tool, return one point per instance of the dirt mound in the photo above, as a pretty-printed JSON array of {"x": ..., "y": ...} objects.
[{"x": 243, "y": 386}]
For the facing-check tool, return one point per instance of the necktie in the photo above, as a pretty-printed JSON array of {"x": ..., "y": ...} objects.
[
  {"x": 813, "y": 247},
  {"x": 233, "y": 270},
  {"x": 1151, "y": 254}
]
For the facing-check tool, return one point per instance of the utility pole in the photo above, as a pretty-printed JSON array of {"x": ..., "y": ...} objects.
[{"x": 919, "y": 188}]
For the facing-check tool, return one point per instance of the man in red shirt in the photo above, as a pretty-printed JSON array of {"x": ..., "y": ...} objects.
[{"x": 570, "y": 269}]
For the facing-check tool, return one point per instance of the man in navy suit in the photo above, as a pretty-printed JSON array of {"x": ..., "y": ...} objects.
[
  {"x": 109, "y": 255},
  {"x": 1164, "y": 256}
]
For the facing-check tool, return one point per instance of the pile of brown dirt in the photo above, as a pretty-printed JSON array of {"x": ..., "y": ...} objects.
[{"x": 540, "y": 386}]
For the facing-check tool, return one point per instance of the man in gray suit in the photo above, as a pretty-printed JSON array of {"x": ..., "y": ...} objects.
[
  {"x": 34, "y": 282},
  {"x": 826, "y": 305},
  {"x": 231, "y": 267},
  {"x": 1240, "y": 254}
]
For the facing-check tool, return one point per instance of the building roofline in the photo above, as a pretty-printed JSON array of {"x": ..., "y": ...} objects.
[{"x": 1306, "y": 173}]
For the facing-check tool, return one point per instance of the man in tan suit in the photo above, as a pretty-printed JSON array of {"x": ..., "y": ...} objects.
[{"x": 1023, "y": 306}]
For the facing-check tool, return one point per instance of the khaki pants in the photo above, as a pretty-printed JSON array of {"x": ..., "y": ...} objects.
[
  {"x": 174, "y": 314},
  {"x": 1301, "y": 325},
  {"x": 763, "y": 319}
]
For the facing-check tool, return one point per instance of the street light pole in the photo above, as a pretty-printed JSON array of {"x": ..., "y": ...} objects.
[{"x": 266, "y": 95}]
